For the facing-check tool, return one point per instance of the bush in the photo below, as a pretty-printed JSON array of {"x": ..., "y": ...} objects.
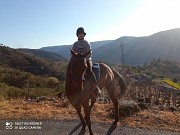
[
  {"x": 175, "y": 80},
  {"x": 17, "y": 78},
  {"x": 11, "y": 92},
  {"x": 38, "y": 92}
]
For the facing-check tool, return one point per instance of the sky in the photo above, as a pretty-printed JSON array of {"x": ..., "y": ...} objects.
[{"x": 39, "y": 23}]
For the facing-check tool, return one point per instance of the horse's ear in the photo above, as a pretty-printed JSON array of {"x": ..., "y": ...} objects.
[
  {"x": 73, "y": 53},
  {"x": 86, "y": 54}
]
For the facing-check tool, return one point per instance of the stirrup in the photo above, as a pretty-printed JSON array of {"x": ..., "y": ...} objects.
[{"x": 99, "y": 90}]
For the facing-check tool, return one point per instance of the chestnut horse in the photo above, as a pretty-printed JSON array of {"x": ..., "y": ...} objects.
[{"x": 80, "y": 92}]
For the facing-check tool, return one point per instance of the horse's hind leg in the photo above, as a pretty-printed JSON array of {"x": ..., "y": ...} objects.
[
  {"x": 111, "y": 93},
  {"x": 78, "y": 109},
  {"x": 87, "y": 111}
]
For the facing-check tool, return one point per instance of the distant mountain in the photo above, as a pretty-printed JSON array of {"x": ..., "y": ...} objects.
[
  {"x": 64, "y": 50},
  {"x": 44, "y": 54},
  {"x": 14, "y": 58},
  {"x": 137, "y": 50}
]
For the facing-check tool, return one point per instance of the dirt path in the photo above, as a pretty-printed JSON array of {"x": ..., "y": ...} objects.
[{"x": 48, "y": 127}]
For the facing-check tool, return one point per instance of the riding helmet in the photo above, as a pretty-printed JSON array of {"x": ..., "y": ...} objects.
[{"x": 80, "y": 30}]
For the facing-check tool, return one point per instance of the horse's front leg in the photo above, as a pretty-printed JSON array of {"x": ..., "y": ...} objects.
[
  {"x": 87, "y": 111},
  {"x": 78, "y": 109}
]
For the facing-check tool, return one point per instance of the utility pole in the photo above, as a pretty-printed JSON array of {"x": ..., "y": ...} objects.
[
  {"x": 121, "y": 45},
  {"x": 122, "y": 53}
]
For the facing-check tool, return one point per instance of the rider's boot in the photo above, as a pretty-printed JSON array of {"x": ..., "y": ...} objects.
[{"x": 97, "y": 89}]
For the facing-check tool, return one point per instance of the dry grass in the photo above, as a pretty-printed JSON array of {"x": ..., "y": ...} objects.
[
  {"x": 155, "y": 119},
  {"x": 152, "y": 118}
]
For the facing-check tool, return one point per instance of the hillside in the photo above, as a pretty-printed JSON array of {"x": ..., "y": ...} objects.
[
  {"x": 26, "y": 62},
  {"x": 64, "y": 50},
  {"x": 137, "y": 50},
  {"x": 162, "y": 68},
  {"x": 44, "y": 54}
]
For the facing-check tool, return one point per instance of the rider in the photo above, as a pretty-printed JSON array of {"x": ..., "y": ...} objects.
[{"x": 83, "y": 46}]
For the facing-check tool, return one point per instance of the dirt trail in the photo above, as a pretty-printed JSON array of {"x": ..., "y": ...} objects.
[{"x": 62, "y": 127}]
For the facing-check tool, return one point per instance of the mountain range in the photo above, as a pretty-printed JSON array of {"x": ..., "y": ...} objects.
[
  {"x": 137, "y": 50},
  {"x": 64, "y": 50}
]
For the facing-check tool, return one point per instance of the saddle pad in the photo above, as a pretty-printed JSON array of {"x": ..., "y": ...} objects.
[{"x": 96, "y": 70}]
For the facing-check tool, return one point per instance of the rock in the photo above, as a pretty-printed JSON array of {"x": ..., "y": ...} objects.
[
  {"x": 172, "y": 108},
  {"x": 156, "y": 102},
  {"x": 127, "y": 108},
  {"x": 143, "y": 106},
  {"x": 147, "y": 100},
  {"x": 140, "y": 100},
  {"x": 162, "y": 107},
  {"x": 42, "y": 98}
]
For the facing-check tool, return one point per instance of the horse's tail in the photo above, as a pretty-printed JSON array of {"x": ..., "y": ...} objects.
[{"x": 121, "y": 82}]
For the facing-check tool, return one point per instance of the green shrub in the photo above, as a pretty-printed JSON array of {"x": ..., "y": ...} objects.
[{"x": 11, "y": 92}]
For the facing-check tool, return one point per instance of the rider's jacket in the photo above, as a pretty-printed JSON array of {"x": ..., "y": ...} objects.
[{"x": 82, "y": 46}]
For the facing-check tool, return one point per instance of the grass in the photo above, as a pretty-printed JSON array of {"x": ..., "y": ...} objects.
[
  {"x": 61, "y": 110},
  {"x": 171, "y": 83}
]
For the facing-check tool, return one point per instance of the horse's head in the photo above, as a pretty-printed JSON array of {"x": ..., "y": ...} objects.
[{"x": 78, "y": 65}]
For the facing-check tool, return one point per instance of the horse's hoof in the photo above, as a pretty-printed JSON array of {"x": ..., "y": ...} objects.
[
  {"x": 90, "y": 132},
  {"x": 83, "y": 129},
  {"x": 115, "y": 122}
]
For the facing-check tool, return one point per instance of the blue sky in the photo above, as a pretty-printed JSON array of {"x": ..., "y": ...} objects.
[{"x": 39, "y": 23}]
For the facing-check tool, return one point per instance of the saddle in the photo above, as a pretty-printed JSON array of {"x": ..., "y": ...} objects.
[{"x": 96, "y": 70}]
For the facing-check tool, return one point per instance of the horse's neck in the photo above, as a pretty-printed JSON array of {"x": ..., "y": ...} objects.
[{"x": 68, "y": 72}]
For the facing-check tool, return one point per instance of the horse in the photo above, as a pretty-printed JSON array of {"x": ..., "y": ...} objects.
[{"x": 80, "y": 92}]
